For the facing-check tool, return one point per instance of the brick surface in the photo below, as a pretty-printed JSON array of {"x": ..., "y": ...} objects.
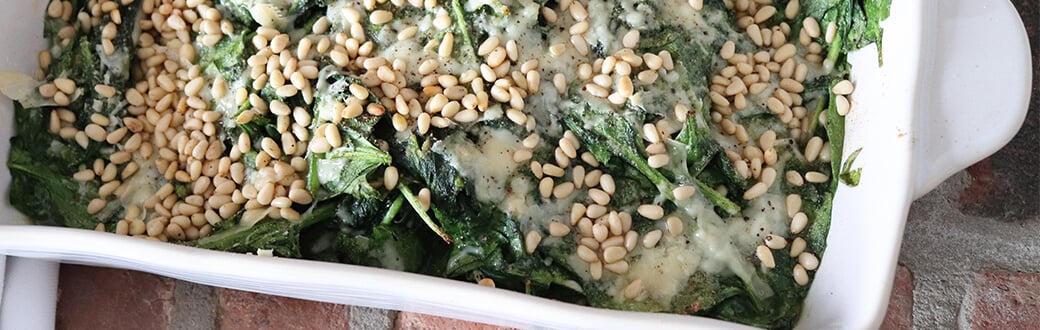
[
  {"x": 195, "y": 307},
  {"x": 409, "y": 320},
  {"x": 368, "y": 318},
  {"x": 105, "y": 298},
  {"x": 1005, "y": 300},
  {"x": 247, "y": 310},
  {"x": 900, "y": 314}
]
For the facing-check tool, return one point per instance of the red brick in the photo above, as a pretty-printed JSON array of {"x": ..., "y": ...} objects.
[
  {"x": 105, "y": 298},
  {"x": 409, "y": 321},
  {"x": 900, "y": 314},
  {"x": 981, "y": 184},
  {"x": 248, "y": 310},
  {"x": 1005, "y": 300}
]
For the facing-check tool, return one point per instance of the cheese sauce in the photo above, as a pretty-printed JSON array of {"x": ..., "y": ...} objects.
[{"x": 709, "y": 243}]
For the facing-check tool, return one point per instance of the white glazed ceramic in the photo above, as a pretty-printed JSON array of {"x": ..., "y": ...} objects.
[{"x": 951, "y": 91}]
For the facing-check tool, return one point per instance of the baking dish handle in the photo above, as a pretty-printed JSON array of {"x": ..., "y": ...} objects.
[{"x": 975, "y": 88}]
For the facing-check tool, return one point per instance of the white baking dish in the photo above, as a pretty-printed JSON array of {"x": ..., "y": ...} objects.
[{"x": 922, "y": 116}]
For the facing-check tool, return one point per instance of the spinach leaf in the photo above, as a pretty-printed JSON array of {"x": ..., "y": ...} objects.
[
  {"x": 241, "y": 11},
  {"x": 779, "y": 311},
  {"x": 414, "y": 155},
  {"x": 76, "y": 62},
  {"x": 283, "y": 236},
  {"x": 701, "y": 292},
  {"x": 694, "y": 59},
  {"x": 835, "y": 127},
  {"x": 462, "y": 28},
  {"x": 701, "y": 148},
  {"x": 816, "y": 203},
  {"x": 226, "y": 58},
  {"x": 345, "y": 170},
  {"x": 393, "y": 246},
  {"x": 393, "y": 241},
  {"x": 858, "y": 24},
  {"x": 616, "y": 133},
  {"x": 413, "y": 201},
  {"x": 41, "y": 163},
  {"x": 42, "y": 190},
  {"x": 848, "y": 175},
  {"x": 875, "y": 11},
  {"x": 489, "y": 244}
]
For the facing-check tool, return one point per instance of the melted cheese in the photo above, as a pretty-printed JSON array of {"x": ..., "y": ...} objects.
[
  {"x": 142, "y": 185},
  {"x": 488, "y": 163},
  {"x": 709, "y": 243}
]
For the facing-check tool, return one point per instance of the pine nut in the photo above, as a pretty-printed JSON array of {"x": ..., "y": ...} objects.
[
  {"x": 531, "y": 241},
  {"x": 380, "y": 17},
  {"x": 843, "y": 87},
  {"x": 545, "y": 187},
  {"x": 599, "y": 196},
  {"x": 755, "y": 191},
  {"x": 633, "y": 289},
  {"x": 841, "y": 104},
  {"x": 811, "y": 26},
  {"x": 815, "y": 177},
  {"x": 812, "y": 148},
  {"x": 557, "y": 229},
  {"x": 631, "y": 39},
  {"x": 606, "y": 182},
  {"x": 674, "y": 225},
  {"x": 797, "y": 246},
  {"x": 596, "y": 270},
  {"x": 563, "y": 190},
  {"x": 488, "y": 45},
  {"x": 586, "y": 254},
  {"x": 651, "y": 238},
  {"x": 775, "y": 242},
  {"x": 683, "y": 192},
  {"x": 808, "y": 260},
  {"x": 765, "y": 255},
  {"x": 619, "y": 267},
  {"x": 794, "y": 204},
  {"x": 614, "y": 254},
  {"x": 801, "y": 277},
  {"x": 798, "y": 222},
  {"x": 95, "y": 206},
  {"x": 784, "y": 52},
  {"x": 600, "y": 232},
  {"x": 651, "y": 211}
]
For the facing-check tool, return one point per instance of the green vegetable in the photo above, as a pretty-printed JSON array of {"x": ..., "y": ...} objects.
[
  {"x": 462, "y": 233},
  {"x": 490, "y": 244},
  {"x": 429, "y": 167},
  {"x": 462, "y": 27},
  {"x": 616, "y": 133},
  {"x": 835, "y": 127},
  {"x": 227, "y": 58},
  {"x": 240, "y": 11},
  {"x": 42, "y": 189},
  {"x": 282, "y": 236},
  {"x": 394, "y": 242},
  {"x": 848, "y": 175},
  {"x": 858, "y": 24},
  {"x": 345, "y": 170},
  {"x": 414, "y": 202}
]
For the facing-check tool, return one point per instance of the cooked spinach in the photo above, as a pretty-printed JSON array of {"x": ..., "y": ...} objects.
[
  {"x": 464, "y": 232},
  {"x": 848, "y": 175}
]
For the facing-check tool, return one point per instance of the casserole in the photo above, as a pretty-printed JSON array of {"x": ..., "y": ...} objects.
[{"x": 881, "y": 124}]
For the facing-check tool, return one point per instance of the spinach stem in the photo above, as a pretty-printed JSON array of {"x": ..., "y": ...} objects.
[
  {"x": 458, "y": 15},
  {"x": 395, "y": 208},
  {"x": 414, "y": 202}
]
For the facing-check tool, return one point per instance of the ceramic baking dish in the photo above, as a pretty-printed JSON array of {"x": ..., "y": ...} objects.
[{"x": 953, "y": 89}]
